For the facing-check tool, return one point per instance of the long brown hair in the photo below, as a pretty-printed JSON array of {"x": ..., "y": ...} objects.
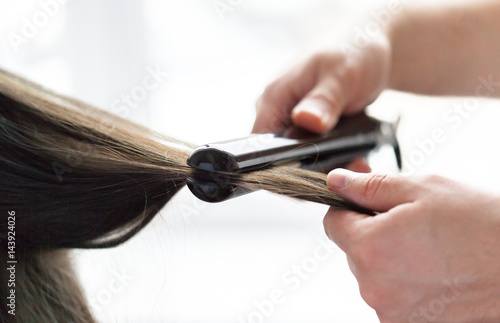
[{"x": 79, "y": 177}]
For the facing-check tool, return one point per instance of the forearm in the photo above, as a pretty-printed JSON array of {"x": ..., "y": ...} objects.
[{"x": 444, "y": 51}]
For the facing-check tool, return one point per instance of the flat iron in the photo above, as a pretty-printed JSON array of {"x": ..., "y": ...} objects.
[{"x": 216, "y": 165}]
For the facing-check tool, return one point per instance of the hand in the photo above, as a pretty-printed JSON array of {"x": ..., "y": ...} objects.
[
  {"x": 315, "y": 93},
  {"x": 431, "y": 255}
]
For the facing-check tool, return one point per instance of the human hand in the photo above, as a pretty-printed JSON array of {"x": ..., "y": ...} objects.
[
  {"x": 431, "y": 255},
  {"x": 315, "y": 93}
]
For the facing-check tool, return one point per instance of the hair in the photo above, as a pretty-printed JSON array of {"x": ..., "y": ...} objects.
[{"x": 79, "y": 177}]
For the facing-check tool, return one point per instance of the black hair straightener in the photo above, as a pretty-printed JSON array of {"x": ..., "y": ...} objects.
[{"x": 215, "y": 164}]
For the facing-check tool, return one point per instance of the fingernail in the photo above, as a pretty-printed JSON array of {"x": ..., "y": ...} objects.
[
  {"x": 313, "y": 112},
  {"x": 339, "y": 178},
  {"x": 316, "y": 107}
]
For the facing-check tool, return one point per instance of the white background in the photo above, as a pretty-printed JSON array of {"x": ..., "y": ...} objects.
[{"x": 212, "y": 263}]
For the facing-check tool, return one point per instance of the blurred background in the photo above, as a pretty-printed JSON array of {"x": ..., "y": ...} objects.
[{"x": 193, "y": 69}]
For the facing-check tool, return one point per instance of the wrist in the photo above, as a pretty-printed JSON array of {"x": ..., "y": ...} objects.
[
  {"x": 370, "y": 71},
  {"x": 395, "y": 27}
]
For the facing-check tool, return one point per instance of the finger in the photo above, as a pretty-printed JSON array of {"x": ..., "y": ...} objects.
[
  {"x": 321, "y": 108},
  {"x": 373, "y": 191},
  {"x": 359, "y": 166},
  {"x": 342, "y": 225},
  {"x": 275, "y": 104},
  {"x": 272, "y": 110}
]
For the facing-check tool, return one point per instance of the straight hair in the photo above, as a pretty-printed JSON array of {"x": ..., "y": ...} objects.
[{"x": 79, "y": 177}]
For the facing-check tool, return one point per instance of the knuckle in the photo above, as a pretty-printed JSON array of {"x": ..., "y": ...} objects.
[
  {"x": 373, "y": 185},
  {"x": 268, "y": 91},
  {"x": 381, "y": 297},
  {"x": 375, "y": 296},
  {"x": 272, "y": 91},
  {"x": 327, "y": 225},
  {"x": 317, "y": 58},
  {"x": 334, "y": 227},
  {"x": 370, "y": 262},
  {"x": 258, "y": 104}
]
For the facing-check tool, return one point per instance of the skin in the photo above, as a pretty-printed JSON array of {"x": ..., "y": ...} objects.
[{"x": 432, "y": 253}]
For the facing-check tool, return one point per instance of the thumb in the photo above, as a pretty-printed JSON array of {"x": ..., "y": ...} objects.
[
  {"x": 377, "y": 192},
  {"x": 321, "y": 108}
]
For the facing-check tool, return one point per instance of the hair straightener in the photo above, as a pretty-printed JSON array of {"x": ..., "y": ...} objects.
[{"x": 216, "y": 165}]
